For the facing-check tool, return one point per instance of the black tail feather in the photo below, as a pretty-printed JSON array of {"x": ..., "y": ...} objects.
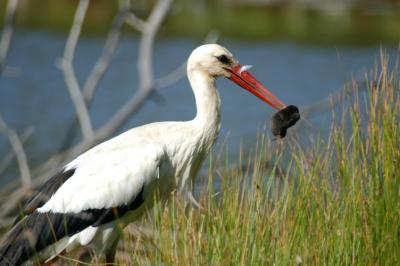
[
  {"x": 37, "y": 231},
  {"x": 19, "y": 244}
]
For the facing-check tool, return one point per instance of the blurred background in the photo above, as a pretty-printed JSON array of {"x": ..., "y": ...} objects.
[
  {"x": 303, "y": 50},
  {"x": 329, "y": 22}
]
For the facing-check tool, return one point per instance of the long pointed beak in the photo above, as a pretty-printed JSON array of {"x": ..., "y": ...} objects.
[{"x": 244, "y": 79}]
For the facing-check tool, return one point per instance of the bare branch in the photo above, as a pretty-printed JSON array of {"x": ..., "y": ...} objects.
[
  {"x": 7, "y": 32},
  {"x": 180, "y": 72},
  {"x": 69, "y": 73},
  {"x": 323, "y": 105},
  {"x": 75, "y": 32},
  {"x": 145, "y": 90},
  {"x": 19, "y": 152},
  {"x": 212, "y": 37},
  {"x": 145, "y": 69},
  {"x": 104, "y": 61},
  {"x": 10, "y": 155},
  {"x": 135, "y": 22},
  {"x": 147, "y": 84},
  {"x": 172, "y": 77},
  {"x": 100, "y": 67},
  {"x": 145, "y": 60},
  {"x": 336, "y": 98},
  {"x": 10, "y": 205}
]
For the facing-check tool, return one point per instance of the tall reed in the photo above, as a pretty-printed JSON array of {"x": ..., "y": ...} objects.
[{"x": 334, "y": 203}]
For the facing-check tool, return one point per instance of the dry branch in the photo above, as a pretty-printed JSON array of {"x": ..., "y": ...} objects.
[
  {"x": 104, "y": 61},
  {"x": 92, "y": 82},
  {"x": 143, "y": 93},
  {"x": 334, "y": 99},
  {"x": 145, "y": 69},
  {"x": 19, "y": 151},
  {"x": 147, "y": 86},
  {"x": 69, "y": 72},
  {"x": 6, "y": 37},
  {"x": 146, "y": 81},
  {"x": 7, "y": 159}
]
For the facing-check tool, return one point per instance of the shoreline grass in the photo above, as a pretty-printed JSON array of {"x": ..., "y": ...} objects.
[{"x": 335, "y": 203}]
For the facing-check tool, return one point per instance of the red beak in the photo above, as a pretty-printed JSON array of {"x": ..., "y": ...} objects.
[{"x": 245, "y": 80}]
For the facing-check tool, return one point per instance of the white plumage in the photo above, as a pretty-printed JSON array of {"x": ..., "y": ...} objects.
[
  {"x": 113, "y": 173},
  {"x": 124, "y": 173}
]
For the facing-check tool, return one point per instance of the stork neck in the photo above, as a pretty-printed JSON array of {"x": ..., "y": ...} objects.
[{"x": 207, "y": 99}]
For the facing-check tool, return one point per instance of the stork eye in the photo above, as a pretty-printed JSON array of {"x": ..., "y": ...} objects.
[{"x": 223, "y": 59}]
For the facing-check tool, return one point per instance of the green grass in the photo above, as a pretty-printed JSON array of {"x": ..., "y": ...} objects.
[
  {"x": 335, "y": 203},
  {"x": 361, "y": 25}
]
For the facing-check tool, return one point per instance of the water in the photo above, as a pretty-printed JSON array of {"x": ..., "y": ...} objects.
[{"x": 38, "y": 97}]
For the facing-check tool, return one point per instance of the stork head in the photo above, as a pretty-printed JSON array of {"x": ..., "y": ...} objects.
[{"x": 216, "y": 61}]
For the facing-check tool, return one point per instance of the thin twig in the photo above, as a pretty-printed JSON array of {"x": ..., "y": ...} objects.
[
  {"x": 145, "y": 68},
  {"x": 124, "y": 113},
  {"x": 7, "y": 159},
  {"x": 178, "y": 73},
  {"x": 145, "y": 60},
  {"x": 10, "y": 205},
  {"x": 136, "y": 22},
  {"x": 19, "y": 151},
  {"x": 172, "y": 77},
  {"x": 145, "y": 90},
  {"x": 6, "y": 37},
  {"x": 69, "y": 73},
  {"x": 332, "y": 100},
  {"x": 99, "y": 69},
  {"x": 104, "y": 61}
]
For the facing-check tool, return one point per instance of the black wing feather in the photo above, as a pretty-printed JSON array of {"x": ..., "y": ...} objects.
[
  {"x": 44, "y": 192},
  {"x": 39, "y": 230}
]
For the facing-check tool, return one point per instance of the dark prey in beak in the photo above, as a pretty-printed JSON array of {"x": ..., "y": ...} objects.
[{"x": 284, "y": 119}]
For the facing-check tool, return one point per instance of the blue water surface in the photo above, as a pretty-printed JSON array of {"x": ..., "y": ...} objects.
[{"x": 37, "y": 95}]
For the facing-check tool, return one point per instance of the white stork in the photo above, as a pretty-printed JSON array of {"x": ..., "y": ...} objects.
[{"x": 111, "y": 185}]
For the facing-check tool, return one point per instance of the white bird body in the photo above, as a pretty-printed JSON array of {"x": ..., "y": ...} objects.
[
  {"x": 158, "y": 156},
  {"x": 126, "y": 172}
]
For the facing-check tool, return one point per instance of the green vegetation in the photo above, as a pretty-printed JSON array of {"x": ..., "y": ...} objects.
[
  {"x": 58, "y": 15},
  {"x": 336, "y": 203},
  {"x": 283, "y": 23},
  {"x": 357, "y": 26}
]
